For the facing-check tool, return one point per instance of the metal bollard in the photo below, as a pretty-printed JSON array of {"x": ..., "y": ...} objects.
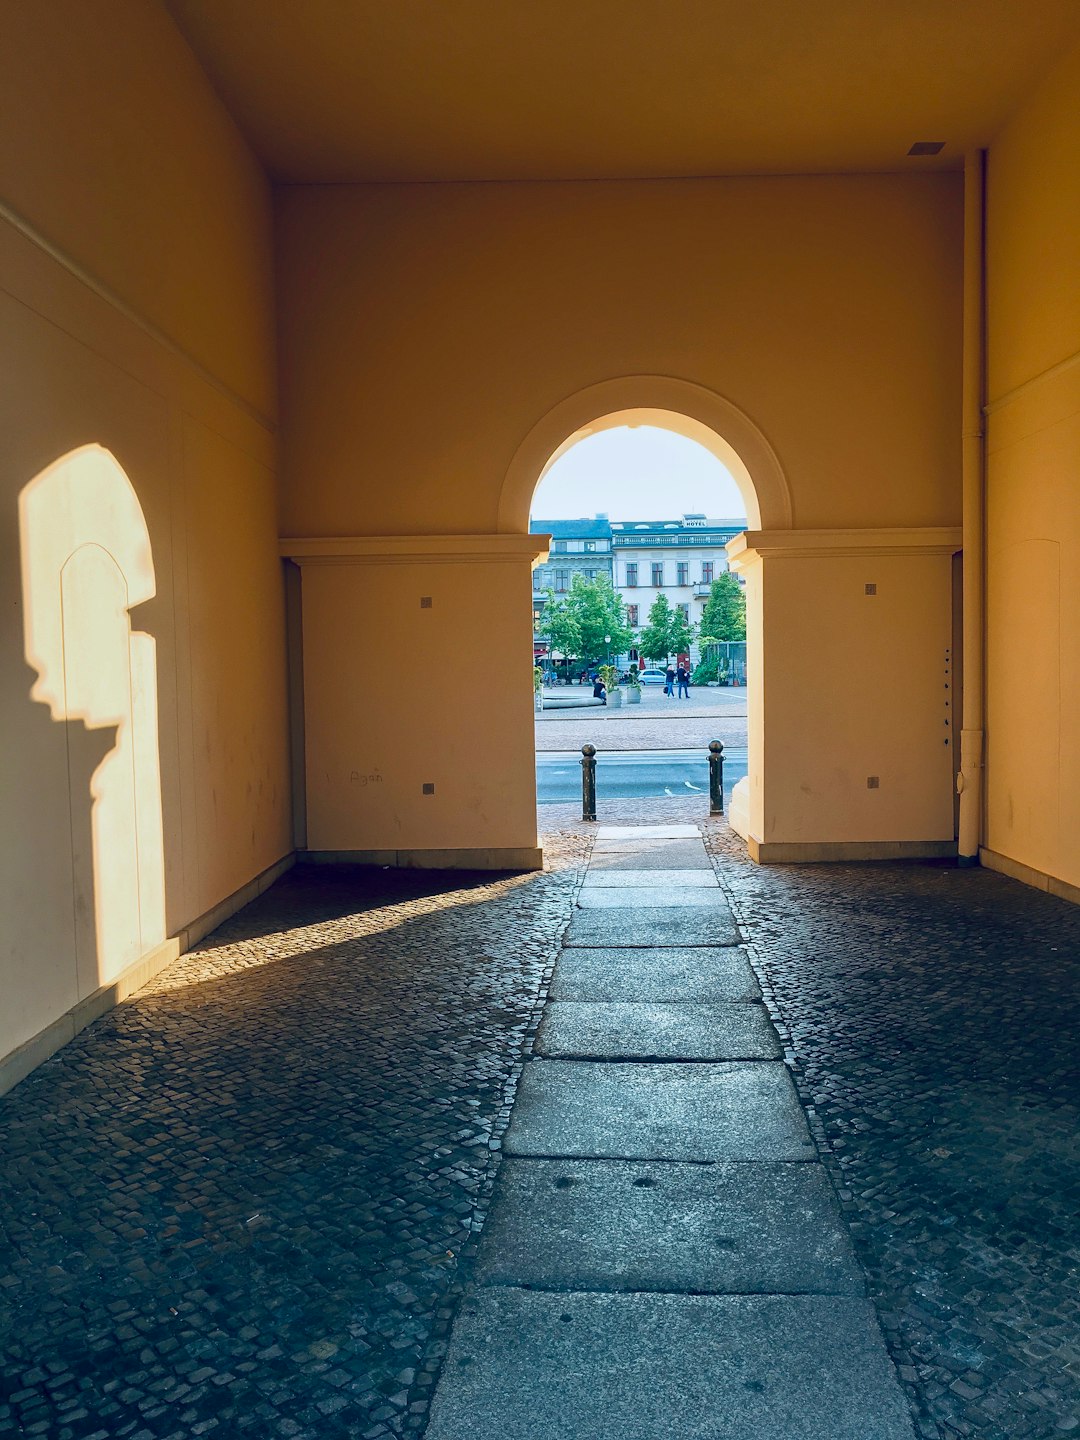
[
  {"x": 588, "y": 782},
  {"x": 716, "y": 778}
]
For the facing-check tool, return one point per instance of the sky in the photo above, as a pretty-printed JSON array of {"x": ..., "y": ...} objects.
[{"x": 642, "y": 473}]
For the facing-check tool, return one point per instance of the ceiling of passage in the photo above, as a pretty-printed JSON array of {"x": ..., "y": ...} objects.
[{"x": 355, "y": 90}]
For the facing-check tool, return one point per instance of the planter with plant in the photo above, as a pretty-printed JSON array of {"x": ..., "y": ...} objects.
[
  {"x": 632, "y": 688},
  {"x": 610, "y": 676},
  {"x": 538, "y": 687}
]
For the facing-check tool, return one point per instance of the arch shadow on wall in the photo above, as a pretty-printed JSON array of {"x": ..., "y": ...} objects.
[
  {"x": 86, "y": 563},
  {"x": 670, "y": 404}
]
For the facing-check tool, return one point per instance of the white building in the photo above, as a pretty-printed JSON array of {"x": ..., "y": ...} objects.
[{"x": 679, "y": 558}]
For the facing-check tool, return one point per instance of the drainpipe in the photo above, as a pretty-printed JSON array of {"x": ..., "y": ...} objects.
[{"x": 969, "y": 781}]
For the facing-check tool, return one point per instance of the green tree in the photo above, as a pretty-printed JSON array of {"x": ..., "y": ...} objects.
[
  {"x": 598, "y": 612},
  {"x": 655, "y": 640},
  {"x": 724, "y": 617},
  {"x": 561, "y": 628},
  {"x": 682, "y": 632}
]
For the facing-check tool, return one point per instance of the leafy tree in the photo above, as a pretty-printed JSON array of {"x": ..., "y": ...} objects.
[
  {"x": 724, "y": 617},
  {"x": 561, "y": 628},
  {"x": 682, "y": 632},
  {"x": 668, "y": 631},
  {"x": 575, "y": 625},
  {"x": 598, "y": 611},
  {"x": 655, "y": 640}
]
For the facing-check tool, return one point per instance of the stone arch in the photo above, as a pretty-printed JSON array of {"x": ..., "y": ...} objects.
[{"x": 666, "y": 402}]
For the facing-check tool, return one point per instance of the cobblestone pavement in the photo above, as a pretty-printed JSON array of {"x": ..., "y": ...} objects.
[
  {"x": 932, "y": 1015},
  {"x": 244, "y": 1202},
  {"x": 656, "y": 724}
]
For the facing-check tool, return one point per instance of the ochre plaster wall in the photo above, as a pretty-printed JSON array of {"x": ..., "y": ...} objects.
[
  {"x": 398, "y": 696},
  {"x": 426, "y": 328},
  {"x": 1033, "y": 482},
  {"x": 165, "y": 212},
  {"x": 858, "y": 686},
  {"x": 116, "y": 149}
]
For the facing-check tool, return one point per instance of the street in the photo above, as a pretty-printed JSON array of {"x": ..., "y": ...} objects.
[{"x": 634, "y": 774}]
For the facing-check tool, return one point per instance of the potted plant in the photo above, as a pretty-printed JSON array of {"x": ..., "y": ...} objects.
[
  {"x": 538, "y": 687},
  {"x": 610, "y": 676},
  {"x": 633, "y": 686}
]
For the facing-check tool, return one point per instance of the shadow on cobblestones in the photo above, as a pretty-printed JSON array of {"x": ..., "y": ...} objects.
[
  {"x": 245, "y": 1201},
  {"x": 933, "y": 1015}
]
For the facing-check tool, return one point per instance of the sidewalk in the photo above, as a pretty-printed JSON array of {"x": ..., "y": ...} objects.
[
  {"x": 657, "y": 723},
  {"x": 664, "y": 1256}
]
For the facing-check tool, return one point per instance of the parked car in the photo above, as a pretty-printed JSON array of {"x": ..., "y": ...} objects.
[{"x": 652, "y": 676}]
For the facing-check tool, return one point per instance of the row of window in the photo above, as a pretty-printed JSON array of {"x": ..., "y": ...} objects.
[
  {"x": 632, "y": 613},
  {"x": 682, "y": 573},
  {"x": 590, "y": 547},
  {"x": 562, "y": 578}
]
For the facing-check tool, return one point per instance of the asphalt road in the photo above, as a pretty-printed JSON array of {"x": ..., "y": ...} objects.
[{"x": 634, "y": 774}]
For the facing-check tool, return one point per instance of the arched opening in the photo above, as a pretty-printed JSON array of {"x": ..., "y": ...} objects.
[
  {"x": 684, "y": 559},
  {"x": 671, "y": 403}
]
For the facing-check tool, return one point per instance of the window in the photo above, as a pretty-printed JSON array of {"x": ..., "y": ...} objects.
[
  {"x": 562, "y": 580},
  {"x": 631, "y": 576},
  {"x": 590, "y": 546},
  {"x": 706, "y": 572},
  {"x": 631, "y": 614},
  {"x": 658, "y": 573},
  {"x": 683, "y": 573},
  {"x": 559, "y": 547},
  {"x": 685, "y": 611}
]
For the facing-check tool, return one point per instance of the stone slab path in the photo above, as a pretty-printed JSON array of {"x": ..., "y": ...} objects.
[{"x": 665, "y": 1255}]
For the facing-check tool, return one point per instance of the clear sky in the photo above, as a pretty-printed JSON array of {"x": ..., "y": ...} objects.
[{"x": 637, "y": 474}]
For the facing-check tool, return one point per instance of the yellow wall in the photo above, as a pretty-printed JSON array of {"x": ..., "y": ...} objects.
[
  {"x": 426, "y": 330},
  {"x": 1033, "y": 482},
  {"x": 125, "y": 176},
  {"x": 858, "y": 686},
  {"x": 398, "y": 696},
  {"x": 117, "y": 150}
]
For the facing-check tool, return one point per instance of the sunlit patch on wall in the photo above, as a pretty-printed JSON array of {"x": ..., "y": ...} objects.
[{"x": 86, "y": 562}]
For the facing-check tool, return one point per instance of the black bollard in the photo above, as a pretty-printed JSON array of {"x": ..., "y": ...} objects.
[
  {"x": 588, "y": 782},
  {"x": 716, "y": 778}
]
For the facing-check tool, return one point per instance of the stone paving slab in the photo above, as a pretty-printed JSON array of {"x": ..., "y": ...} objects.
[
  {"x": 635, "y": 1225},
  {"x": 647, "y": 832},
  {"x": 639, "y": 898},
  {"x": 690, "y": 879},
  {"x": 670, "y": 1031},
  {"x": 654, "y": 974},
  {"x": 668, "y": 854},
  {"x": 652, "y": 926},
  {"x": 742, "y": 1110},
  {"x": 526, "y": 1365}
]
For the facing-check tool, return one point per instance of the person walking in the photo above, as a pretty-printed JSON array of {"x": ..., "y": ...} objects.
[
  {"x": 669, "y": 681},
  {"x": 684, "y": 682}
]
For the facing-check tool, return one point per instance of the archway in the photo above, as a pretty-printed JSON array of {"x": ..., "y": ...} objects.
[
  {"x": 669, "y": 403},
  {"x": 699, "y": 415}
]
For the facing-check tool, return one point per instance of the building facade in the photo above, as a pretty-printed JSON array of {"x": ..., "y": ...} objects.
[
  {"x": 642, "y": 559},
  {"x": 677, "y": 558},
  {"x": 578, "y": 547}
]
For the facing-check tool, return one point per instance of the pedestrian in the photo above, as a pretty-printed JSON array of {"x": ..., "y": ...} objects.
[
  {"x": 669, "y": 681},
  {"x": 599, "y": 690},
  {"x": 684, "y": 682}
]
